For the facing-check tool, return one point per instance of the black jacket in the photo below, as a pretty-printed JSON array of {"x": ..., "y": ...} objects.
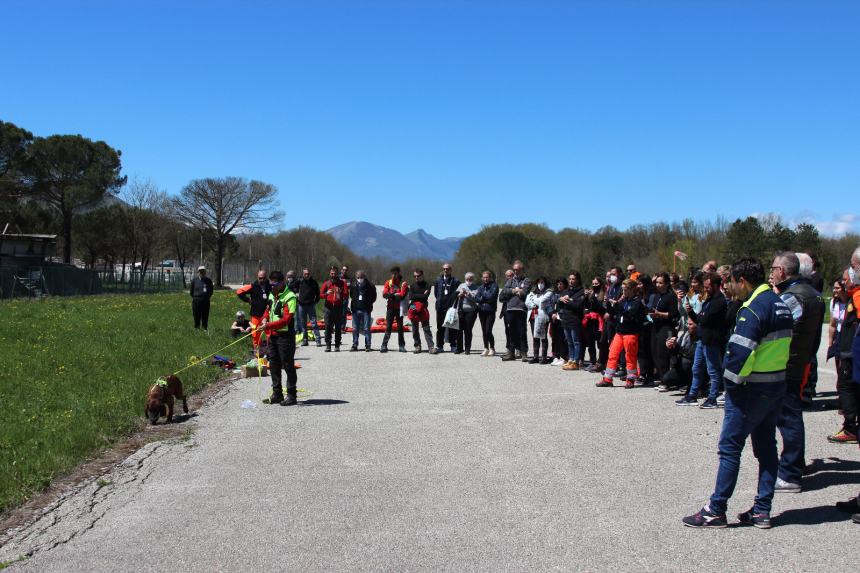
[
  {"x": 570, "y": 314},
  {"x": 666, "y": 302},
  {"x": 629, "y": 315},
  {"x": 309, "y": 291},
  {"x": 712, "y": 321},
  {"x": 365, "y": 292},
  {"x": 258, "y": 296},
  {"x": 807, "y": 309},
  {"x": 445, "y": 301},
  {"x": 201, "y": 287},
  {"x": 420, "y": 292}
]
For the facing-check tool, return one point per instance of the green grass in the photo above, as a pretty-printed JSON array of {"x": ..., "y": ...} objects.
[{"x": 74, "y": 373}]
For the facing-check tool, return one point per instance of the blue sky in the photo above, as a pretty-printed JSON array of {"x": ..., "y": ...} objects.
[{"x": 451, "y": 115}]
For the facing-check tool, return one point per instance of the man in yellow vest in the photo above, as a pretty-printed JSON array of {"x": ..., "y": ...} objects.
[
  {"x": 754, "y": 375},
  {"x": 279, "y": 325}
]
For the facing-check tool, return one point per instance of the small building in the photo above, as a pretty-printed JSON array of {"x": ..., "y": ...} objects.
[{"x": 26, "y": 271}]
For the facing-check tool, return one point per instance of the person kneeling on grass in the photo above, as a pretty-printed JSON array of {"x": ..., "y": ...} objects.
[
  {"x": 241, "y": 326},
  {"x": 280, "y": 328},
  {"x": 629, "y": 318}
]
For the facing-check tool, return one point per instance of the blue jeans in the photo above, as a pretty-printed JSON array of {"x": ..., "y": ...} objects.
[
  {"x": 573, "y": 336},
  {"x": 361, "y": 323},
  {"x": 305, "y": 311},
  {"x": 707, "y": 360},
  {"x": 751, "y": 410}
]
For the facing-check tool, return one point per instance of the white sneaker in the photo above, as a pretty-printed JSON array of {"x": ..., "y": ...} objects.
[
  {"x": 486, "y": 352},
  {"x": 557, "y": 362},
  {"x": 491, "y": 352},
  {"x": 782, "y": 486}
]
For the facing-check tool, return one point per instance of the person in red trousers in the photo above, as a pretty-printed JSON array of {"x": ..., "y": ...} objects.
[{"x": 630, "y": 314}]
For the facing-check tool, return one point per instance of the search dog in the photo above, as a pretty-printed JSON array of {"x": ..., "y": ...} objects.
[{"x": 159, "y": 401}]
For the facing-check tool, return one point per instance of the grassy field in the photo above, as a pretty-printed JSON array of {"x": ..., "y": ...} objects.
[{"x": 74, "y": 373}]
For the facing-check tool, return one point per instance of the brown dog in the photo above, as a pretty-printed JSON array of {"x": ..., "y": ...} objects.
[{"x": 159, "y": 401}]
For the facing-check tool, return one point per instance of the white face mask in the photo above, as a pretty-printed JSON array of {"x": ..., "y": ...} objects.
[
  {"x": 541, "y": 286},
  {"x": 852, "y": 276},
  {"x": 613, "y": 279}
]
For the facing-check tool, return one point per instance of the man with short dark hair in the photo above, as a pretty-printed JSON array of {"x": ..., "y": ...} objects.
[
  {"x": 395, "y": 291},
  {"x": 334, "y": 292},
  {"x": 201, "y": 293},
  {"x": 445, "y": 292},
  {"x": 754, "y": 375},
  {"x": 807, "y": 311},
  {"x": 419, "y": 313},
  {"x": 362, "y": 295},
  {"x": 280, "y": 329},
  {"x": 309, "y": 296},
  {"x": 344, "y": 276}
]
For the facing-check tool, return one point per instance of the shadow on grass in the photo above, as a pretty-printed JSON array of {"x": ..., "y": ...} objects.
[
  {"x": 810, "y": 516},
  {"x": 322, "y": 402}
]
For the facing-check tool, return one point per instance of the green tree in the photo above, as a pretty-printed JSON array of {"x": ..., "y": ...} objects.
[
  {"x": 807, "y": 239},
  {"x": 745, "y": 238},
  {"x": 70, "y": 173}
]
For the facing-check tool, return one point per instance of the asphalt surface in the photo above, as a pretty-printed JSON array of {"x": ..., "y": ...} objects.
[{"x": 448, "y": 462}]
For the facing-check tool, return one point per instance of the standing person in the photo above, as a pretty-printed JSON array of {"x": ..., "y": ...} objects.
[
  {"x": 487, "y": 299},
  {"x": 592, "y": 322},
  {"x": 559, "y": 348},
  {"x": 201, "y": 293},
  {"x": 509, "y": 274},
  {"x": 344, "y": 276},
  {"x": 807, "y": 313},
  {"x": 308, "y": 297},
  {"x": 445, "y": 292},
  {"x": 708, "y": 357},
  {"x": 541, "y": 306},
  {"x": 629, "y": 317},
  {"x": 396, "y": 290},
  {"x": 514, "y": 295},
  {"x": 754, "y": 375},
  {"x": 614, "y": 276},
  {"x": 257, "y": 294},
  {"x": 843, "y": 325},
  {"x": 362, "y": 295},
  {"x": 571, "y": 309},
  {"x": 333, "y": 292},
  {"x": 664, "y": 316},
  {"x": 466, "y": 292},
  {"x": 292, "y": 281},
  {"x": 280, "y": 329},
  {"x": 419, "y": 311}
]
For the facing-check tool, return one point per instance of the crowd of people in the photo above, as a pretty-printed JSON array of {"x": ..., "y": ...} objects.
[{"x": 738, "y": 337}]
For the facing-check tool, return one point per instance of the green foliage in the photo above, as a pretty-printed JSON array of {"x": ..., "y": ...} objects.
[{"x": 76, "y": 372}]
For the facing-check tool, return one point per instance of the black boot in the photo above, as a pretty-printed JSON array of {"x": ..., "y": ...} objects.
[
  {"x": 276, "y": 398},
  {"x": 291, "y": 398}
]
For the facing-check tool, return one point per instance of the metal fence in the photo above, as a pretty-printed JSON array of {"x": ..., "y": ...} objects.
[
  {"x": 47, "y": 280},
  {"x": 133, "y": 280}
]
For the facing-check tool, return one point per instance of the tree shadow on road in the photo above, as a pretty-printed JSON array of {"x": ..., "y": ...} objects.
[
  {"x": 810, "y": 516},
  {"x": 322, "y": 402}
]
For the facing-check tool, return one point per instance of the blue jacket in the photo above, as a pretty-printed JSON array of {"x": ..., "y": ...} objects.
[
  {"x": 487, "y": 297},
  {"x": 759, "y": 346}
]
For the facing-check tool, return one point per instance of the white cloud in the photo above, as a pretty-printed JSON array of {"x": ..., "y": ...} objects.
[{"x": 838, "y": 225}]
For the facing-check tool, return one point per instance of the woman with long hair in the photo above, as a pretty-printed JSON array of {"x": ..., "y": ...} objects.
[
  {"x": 539, "y": 304},
  {"x": 664, "y": 315},
  {"x": 629, "y": 317},
  {"x": 570, "y": 305},
  {"x": 592, "y": 322}
]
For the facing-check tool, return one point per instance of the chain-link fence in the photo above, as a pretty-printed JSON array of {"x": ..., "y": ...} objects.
[{"x": 135, "y": 280}]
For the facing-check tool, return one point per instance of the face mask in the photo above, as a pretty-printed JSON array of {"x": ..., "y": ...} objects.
[
  {"x": 541, "y": 286},
  {"x": 613, "y": 279}
]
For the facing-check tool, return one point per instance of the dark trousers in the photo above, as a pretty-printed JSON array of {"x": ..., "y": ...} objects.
[
  {"x": 518, "y": 339},
  {"x": 605, "y": 340},
  {"x": 442, "y": 333},
  {"x": 333, "y": 321},
  {"x": 751, "y": 410},
  {"x": 390, "y": 315},
  {"x": 590, "y": 337},
  {"x": 659, "y": 352},
  {"x": 646, "y": 357},
  {"x": 849, "y": 394},
  {"x": 487, "y": 320},
  {"x": 200, "y": 310},
  {"x": 467, "y": 324},
  {"x": 792, "y": 459},
  {"x": 559, "y": 342},
  {"x": 282, "y": 354}
]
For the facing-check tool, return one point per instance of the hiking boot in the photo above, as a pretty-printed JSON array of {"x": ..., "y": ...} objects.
[
  {"x": 595, "y": 368},
  {"x": 275, "y": 398},
  {"x": 518, "y": 355},
  {"x": 328, "y": 348},
  {"x": 842, "y": 437},
  {"x": 630, "y": 384},
  {"x": 570, "y": 365},
  {"x": 353, "y": 348},
  {"x": 417, "y": 350},
  {"x": 783, "y": 486},
  {"x": 525, "y": 358},
  {"x": 509, "y": 356},
  {"x": 760, "y": 520},
  {"x": 850, "y": 506},
  {"x": 290, "y": 401},
  {"x": 605, "y": 383},
  {"x": 687, "y": 401},
  {"x": 433, "y": 350},
  {"x": 705, "y": 518},
  {"x": 709, "y": 404}
]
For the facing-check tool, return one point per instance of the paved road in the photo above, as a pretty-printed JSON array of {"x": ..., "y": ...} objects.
[{"x": 403, "y": 462}]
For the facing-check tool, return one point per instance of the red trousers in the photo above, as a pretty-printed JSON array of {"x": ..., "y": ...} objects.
[
  {"x": 257, "y": 333},
  {"x": 630, "y": 344}
]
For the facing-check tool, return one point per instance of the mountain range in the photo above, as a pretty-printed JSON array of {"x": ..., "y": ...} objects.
[{"x": 369, "y": 240}]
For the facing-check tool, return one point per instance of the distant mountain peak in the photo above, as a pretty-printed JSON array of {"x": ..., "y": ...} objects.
[{"x": 369, "y": 240}]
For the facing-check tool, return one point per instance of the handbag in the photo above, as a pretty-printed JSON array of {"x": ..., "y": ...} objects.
[{"x": 452, "y": 318}]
